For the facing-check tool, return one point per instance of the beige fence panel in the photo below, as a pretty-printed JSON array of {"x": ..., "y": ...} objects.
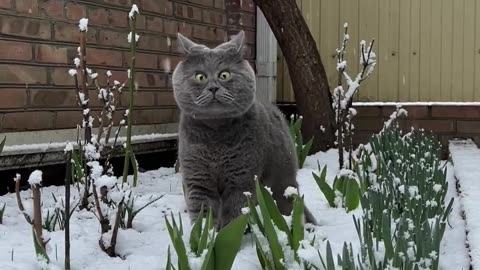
[{"x": 427, "y": 50}]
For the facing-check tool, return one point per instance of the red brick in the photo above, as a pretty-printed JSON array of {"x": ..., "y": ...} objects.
[
  {"x": 157, "y": 6},
  {"x": 165, "y": 98},
  {"x": 71, "y": 33},
  {"x": 158, "y": 42},
  {"x": 25, "y": 27},
  {"x": 468, "y": 126},
  {"x": 10, "y": 50},
  {"x": 52, "y": 8},
  {"x": 117, "y": 39},
  {"x": 20, "y": 74},
  {"x": 214, "y": 17},
  {"x": 168, "y": 63},
  {"x": 60, "y": 76},
  {"x": 27, "y": 6},
  {"x": 170, "y": 27},
  {"x": 247, "y": 5},
  {"x": 141, "y": 99},
  {"x": 141, "y": 23},
  {"x": 46, "y": 98},
  {"x": 153, "y": 116},
  {"x": 250, "y": 37},
  {"x": 189, "y": 12},
  {"x": 155, "y": 24},
  {"x": 185, "y": 29},
  {"x": 51, "y": 54},
  {"x": 456, "y": 112},
  {"x": 75, "y": 12},
  {"x": 68, "y": 119},
  {"x": 414, "y": 112},
  {"x": 220, "y": 4},
  {"x": 150, "y": 79},
  {"x": 104, "y": 57},
  {"x": 432, "y": 125},
  {"x": 28, "y": 121},
  {"x": 13, "y": 98},
  {"x": 208, "y": 33},
  {"x": 119, "y": 75},
  {"x": 368, "y": 111},
  {"x": 118, "y": 18},
  {"x": 202, "y": 2},
  {"x": 143, "y": 60},
  {"x": 5, "y": 4},
  {"x": 122, "y": 3},
  {"x": 368, "y": 124},
  {"x": 98, "y": 16}
]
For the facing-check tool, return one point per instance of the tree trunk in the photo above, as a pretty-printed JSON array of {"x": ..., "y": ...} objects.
[{"x": 309, "y": 80}]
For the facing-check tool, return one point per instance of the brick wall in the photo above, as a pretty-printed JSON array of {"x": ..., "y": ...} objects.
[
  {"x": 39, "y": 39},
  {"x": 446, "y": 122}
]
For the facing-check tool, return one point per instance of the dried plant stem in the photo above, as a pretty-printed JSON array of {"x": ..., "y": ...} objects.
[
  {"x": 68, "y": 180},
  {"x": 19, "y": 202},
  {"x": 84, "y": 87},
  {"x": 104, "y": 223},
  {"x": 37, "y": 215},
  {"x": 128, "y": 148}
]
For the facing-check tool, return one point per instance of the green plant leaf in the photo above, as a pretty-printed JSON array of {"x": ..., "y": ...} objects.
[
  {"x": 297, "y": 223},
  {"x": 2, "y": 144},
  {"x": 228, "y": 241},
  {"x": 178, "y": 244},
  {"x": 39, "y": 250},
  {"x": 352, "y": 195},
  {"x": 271, "y": 234},
  {"x": 325, "y": 188},
  {"x": 273, "y": 211},
  {"x": 203, "y": 242}
]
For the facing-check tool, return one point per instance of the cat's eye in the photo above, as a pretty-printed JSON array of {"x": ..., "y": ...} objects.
[
  {"x": 200, "y": 77},
  {"x": 225, "y": 76}
]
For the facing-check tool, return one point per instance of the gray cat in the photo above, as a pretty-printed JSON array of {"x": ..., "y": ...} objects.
[{"x": 226, "y": 136}]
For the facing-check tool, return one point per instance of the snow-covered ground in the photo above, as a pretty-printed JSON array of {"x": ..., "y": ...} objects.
[
  {"x": 145, "y": 246},
  {"x": 466, "y": 159}
]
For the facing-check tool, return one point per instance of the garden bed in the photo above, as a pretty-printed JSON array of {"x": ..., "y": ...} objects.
[{"x": 145, "y": 246}]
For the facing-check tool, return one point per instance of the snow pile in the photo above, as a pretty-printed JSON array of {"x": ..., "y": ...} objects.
[{"x": 35, "y": 178}]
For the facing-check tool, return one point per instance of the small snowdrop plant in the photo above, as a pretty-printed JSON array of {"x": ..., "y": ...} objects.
[
  {"x": 345, "y": 191},
  {"x": 343, "y": 100},
  {"x": 206, "y": 248},
  {"x": 281, "y": 242},
  {"x": 295, "y": 126},
  {"x": 404, "y": 210}
]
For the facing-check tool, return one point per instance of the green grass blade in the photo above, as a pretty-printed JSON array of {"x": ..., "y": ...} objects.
[
  {"x": 227, "y": 242},
  {"x": 179, "y": 246},
  {"x": 352, "y": 194},
  {"x": 297, "y": 222},
  {"x": 326, "y": 189}
]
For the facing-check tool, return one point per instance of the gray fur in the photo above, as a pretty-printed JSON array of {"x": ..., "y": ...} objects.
[{"x": 226, "y": 136}]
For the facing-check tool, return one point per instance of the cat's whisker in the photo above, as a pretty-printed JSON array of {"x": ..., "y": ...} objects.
[{"x": 203, "y": 99}]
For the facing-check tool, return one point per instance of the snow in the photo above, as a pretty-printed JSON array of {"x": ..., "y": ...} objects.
[
  {"x": 72, "y": 72},
  {"x": 83, "y": 24},
  {"x": 35, "y": 178},
  {"x": 466, "y": 158},
  {"x": 132, "y": 12},
  {"x": 145, "y": 246},
  {"x": 76, "y": 61},
  {"x": 440, "y": 103},
  {"x": 290, "y": 191},
  {"x": 129, "y": 37}
]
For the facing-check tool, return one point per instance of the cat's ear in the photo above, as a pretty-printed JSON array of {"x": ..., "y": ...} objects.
[
  {"x": 238, "y": 41},
  {"x": 185, "y": 45}
]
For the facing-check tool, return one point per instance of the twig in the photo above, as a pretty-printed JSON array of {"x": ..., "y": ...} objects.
[
  {"x": 19, "y": 199},
  {"x": 68, "y": 178},
  {"x": 37, "y": 214}
]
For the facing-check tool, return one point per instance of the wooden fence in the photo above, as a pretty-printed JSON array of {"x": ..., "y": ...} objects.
[{"x": 427, "y": 50}]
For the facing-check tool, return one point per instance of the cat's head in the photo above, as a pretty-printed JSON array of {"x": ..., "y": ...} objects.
[{"x": 214, "y": 83}]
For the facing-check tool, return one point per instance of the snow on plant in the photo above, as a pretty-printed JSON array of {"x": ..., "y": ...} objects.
[
  {"x": 302, "y": 150},
  {"x": 404, "y": 211},
  {"x": 206, "y": 249},
  {"x": 345, "y": 191},
  {"x": 129, "y": 155},
  {"x": 133, "y": 205},
  {"x": 280, "y": 244},
  {"x": 33, "y": 215},
  {"x": 342, "y": 100}
]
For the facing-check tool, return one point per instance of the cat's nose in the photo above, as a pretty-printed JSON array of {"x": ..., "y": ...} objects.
[{"x": 213, "y": 89}]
